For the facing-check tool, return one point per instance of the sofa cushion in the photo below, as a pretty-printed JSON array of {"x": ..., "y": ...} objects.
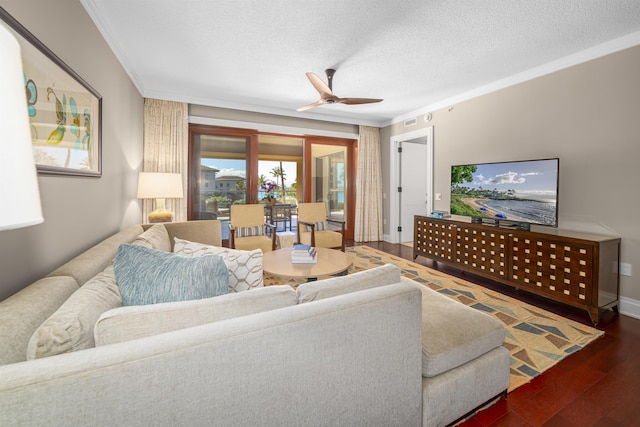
[
  {"x": 453, "y": 334},
  {"x": 70, "y": 328},
  {"x": 149, "y": 276},
  {"x": 324, "y": 238},
  {"x": 128, "y": 323},
  {"x": 379, "y": 276},
  {"x": 155, "y": 237},
  {"x": 244, "y": 267},
  {"x": 264, "y": 243}
]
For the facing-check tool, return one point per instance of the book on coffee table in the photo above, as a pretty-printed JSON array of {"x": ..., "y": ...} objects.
[
  {"x": 304, "y": 254},
  {"x": 302, "y": 249}
]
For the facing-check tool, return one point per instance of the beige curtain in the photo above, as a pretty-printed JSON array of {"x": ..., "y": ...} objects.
[
  {"x": 166, "y": 140},
  {"x": 368, "y": 225}
]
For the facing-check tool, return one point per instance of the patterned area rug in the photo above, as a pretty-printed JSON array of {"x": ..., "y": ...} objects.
[{"x": 536, "y": 338}]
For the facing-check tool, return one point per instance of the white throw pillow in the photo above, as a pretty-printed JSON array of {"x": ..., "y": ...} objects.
[{"x": 245, "y": 267}]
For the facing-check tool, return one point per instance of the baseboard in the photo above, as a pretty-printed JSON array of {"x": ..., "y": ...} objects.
[{"x": 630, "y": 307}]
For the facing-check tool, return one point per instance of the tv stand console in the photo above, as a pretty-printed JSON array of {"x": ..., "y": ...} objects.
[{"x": 574, "y": 268}]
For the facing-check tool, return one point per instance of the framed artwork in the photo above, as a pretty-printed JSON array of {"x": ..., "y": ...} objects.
[{"x": 65, "y": 112}]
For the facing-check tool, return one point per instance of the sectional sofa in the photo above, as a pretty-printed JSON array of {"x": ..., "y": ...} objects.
[{"x": 367, "y": 349}]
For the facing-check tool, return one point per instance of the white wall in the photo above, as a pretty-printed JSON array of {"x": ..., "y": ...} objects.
[
  {"x": 78, "y": 212},
  {"x": 588, "y": 116}
]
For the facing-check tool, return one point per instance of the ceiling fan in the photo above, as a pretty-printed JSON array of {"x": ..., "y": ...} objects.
[{"x": 326, "y": 93}]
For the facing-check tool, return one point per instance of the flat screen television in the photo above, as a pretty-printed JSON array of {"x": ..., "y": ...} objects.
[{"x": 521, "y": 191}]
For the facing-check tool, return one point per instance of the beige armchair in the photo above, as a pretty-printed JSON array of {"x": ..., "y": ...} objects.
[
  {"x": 313, "y": 227},
  {"x": 248, "y": 230}
]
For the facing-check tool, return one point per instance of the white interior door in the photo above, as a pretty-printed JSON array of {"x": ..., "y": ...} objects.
[
  {"x": 415, "y": 183},
  {"x": 417, "y": 169}
]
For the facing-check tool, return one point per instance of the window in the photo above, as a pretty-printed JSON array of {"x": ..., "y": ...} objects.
[{"x": 217, "y": 174}]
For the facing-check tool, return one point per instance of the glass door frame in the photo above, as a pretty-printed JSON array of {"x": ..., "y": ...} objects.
[
  {"x": 251, "y": 152},
  {"x": 351, "y": 146}
]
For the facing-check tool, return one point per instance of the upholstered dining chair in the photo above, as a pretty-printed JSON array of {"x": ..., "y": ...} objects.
[
  {"x": 248, "y": 229},
  {"x": 313, "y": 227}
]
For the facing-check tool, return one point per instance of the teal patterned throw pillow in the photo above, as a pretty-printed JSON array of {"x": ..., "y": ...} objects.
[{"x": 149, "y": 276}]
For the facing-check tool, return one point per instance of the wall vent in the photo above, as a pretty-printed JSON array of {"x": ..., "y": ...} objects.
[{"x": 410, "y": 122}]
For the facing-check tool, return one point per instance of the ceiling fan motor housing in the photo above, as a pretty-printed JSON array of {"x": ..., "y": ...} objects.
[{"x": 330, "y": 72}]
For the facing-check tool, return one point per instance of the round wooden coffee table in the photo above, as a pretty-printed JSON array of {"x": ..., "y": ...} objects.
[{"x": 330, "y": 262}]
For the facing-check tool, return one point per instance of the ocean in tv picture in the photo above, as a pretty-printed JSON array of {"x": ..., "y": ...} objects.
[{"x": 538, "y": 212}]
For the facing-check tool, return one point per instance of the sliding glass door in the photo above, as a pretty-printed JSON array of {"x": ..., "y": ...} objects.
[
  {"x": 229, "y": 166},
  {"x": 330, "y": 177},
  {"x": 280, "y": 164}
]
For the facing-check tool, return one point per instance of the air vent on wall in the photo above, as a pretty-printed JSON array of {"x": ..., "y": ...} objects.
[{"x": 410, "y": 122}]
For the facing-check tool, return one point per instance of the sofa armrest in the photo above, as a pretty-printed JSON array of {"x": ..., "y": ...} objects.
[
  {"x": 23, "y": 312},
  {"x": 208, "y": 232}
]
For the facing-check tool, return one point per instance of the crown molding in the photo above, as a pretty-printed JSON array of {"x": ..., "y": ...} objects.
[{"x": 581, "y": 57}]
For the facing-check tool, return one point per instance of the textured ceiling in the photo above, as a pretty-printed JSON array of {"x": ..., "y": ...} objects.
[{"x": 416, "y": 54}]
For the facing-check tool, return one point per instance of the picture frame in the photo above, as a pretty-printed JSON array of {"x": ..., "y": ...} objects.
[{"x": 65, "y": 112}]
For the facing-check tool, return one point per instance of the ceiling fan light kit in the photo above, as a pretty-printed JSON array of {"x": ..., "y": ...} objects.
[{"x": 326, "y": 93}]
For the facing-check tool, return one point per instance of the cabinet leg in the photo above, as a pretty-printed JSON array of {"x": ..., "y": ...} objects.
[{"x": 594, "y": 314}]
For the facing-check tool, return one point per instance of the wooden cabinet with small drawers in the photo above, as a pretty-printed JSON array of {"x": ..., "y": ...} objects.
[{"x": 578, "y": 269}]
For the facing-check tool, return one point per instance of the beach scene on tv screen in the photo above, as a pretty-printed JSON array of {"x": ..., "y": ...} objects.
[{"x": 518, "y": 191}]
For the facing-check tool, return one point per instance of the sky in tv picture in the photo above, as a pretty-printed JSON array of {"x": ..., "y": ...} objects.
[{"x": 529, "y": 179}]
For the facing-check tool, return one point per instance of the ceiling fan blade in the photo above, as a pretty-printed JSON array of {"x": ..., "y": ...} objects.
[
  {"x": 310, "y": 106},
  {"x": 326, "y": 94},
  {"x": 355, "y": 101},
  {"x": 320, "y": 86}
]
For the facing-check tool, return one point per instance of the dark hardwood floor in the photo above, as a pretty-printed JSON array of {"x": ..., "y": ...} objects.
[{"x": 597, "y": 386}]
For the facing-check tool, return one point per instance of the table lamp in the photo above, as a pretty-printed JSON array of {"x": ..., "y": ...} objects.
[
  {"x": 160, "y": 186},
  {"x": 18, "y": 178}
]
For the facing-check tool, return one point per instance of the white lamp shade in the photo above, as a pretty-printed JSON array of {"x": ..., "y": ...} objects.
[
  {"x": 18, "y": 178},
  {"x": 159, "y": 185}
]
